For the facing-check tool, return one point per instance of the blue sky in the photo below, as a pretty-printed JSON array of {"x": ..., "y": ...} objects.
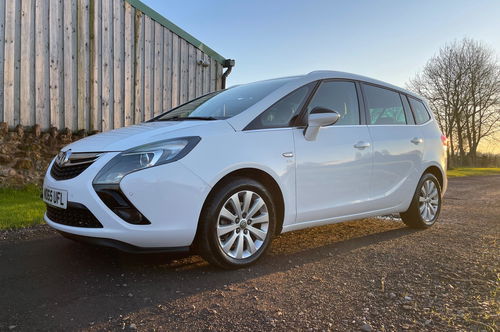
[{"x": 387, "y": 40}]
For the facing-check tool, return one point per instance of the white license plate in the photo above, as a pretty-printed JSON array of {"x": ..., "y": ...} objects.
[{"x": 55, "y": 197}]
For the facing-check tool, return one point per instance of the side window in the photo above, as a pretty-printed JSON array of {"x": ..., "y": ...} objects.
[
  {"x": 421, "y": 114},
  {"x": 338, "y": 96},
  {"x": 283, "y": 112},
  {"x": 384, "y": 106}
]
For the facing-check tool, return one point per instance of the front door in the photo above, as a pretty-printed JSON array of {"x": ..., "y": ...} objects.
[{"x": 333, "y": 171}]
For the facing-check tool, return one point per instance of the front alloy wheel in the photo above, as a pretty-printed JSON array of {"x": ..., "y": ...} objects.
[
  {"x": 243, "y": 224},
  {"x": 236, "y": 224}
]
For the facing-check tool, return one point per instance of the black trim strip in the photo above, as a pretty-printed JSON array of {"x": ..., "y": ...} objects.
[
  {"x": 410, "y": 115},
  {"x": 122, "y": 246},
  {"x": 301, "y": 120}
]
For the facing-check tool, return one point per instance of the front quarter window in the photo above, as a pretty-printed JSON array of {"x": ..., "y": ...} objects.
[{"x": 284, "y": 112}]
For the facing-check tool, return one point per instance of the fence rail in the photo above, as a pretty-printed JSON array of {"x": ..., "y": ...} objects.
[{"x": 96, "y": 64}]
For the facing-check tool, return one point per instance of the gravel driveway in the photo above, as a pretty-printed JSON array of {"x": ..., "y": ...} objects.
[{"x": 366, "y": 275}]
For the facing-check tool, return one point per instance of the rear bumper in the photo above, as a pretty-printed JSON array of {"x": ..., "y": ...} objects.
[{"x": 122, "y": 246}]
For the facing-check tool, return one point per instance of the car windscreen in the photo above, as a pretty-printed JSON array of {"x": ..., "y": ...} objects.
[{"x": 223, "y": 104}]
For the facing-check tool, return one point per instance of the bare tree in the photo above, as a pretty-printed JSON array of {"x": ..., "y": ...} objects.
[{"x": 462, "y": 84}]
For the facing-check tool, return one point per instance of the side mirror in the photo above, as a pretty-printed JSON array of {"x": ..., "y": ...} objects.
[{"x": 319, "y": 117}]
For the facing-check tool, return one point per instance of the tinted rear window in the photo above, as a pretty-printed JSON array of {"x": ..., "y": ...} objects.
[{"x": 384, "y": 106}]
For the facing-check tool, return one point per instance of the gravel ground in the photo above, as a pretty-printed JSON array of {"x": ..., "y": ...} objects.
[{"x": 365, "y": 275}]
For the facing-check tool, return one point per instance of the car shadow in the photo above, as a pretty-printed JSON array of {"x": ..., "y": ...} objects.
[{"x": 68, "y": 272}]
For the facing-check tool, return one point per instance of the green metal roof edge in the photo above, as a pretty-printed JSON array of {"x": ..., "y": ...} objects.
[{"x": 137, "y": 4}]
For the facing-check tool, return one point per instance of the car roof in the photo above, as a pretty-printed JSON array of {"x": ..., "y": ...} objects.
[{"x": 326, "y": 74}]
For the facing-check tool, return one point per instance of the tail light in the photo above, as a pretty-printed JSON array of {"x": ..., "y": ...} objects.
[{"x": 444, "y": 140}]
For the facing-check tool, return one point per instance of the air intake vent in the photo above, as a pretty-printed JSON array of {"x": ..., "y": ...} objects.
[{"x": 76, "y": 215}]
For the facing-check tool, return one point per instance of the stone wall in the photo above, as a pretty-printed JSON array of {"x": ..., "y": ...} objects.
[{"x": 25, "y": 153}]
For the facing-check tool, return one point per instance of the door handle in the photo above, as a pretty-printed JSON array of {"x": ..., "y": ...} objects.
[
  {"x": 417, "y": 140},
  {"x": 362, "y": 145}
]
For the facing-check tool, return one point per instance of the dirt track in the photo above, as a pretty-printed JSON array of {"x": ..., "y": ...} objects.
[{"x": 362, "y": 275}]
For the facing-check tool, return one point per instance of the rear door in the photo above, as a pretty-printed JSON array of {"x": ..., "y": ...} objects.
[{"x": 397, "y": 146}]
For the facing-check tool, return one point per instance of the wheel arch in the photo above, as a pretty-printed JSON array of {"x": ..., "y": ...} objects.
[
  {"x": 258, "y": 175},
  {"x": 437, "y": 172}
]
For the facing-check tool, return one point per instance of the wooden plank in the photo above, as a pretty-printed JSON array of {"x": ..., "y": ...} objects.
[
  {"x": 107, "y": 65},
  {"x": 167, "y": 69},
  {"x": 191, "y": 72},
  {"x": 213, "y": 74},
  {"x": 118, "y": 71},
  {"x": 2, "y": 58},
  {"x": 42, "y": 86},
  {"x": 175, "y": 69},
  {"x": 27, "y": 74},
  {"x": 183, "y": 90},
  {"x": 139, "y": 66},
  {"x": 96, "y": 65},
  {"x": 11, "y": 64},
  {"x": 83, "y": 64},
  {"x": 148, "y": 67},
  {"x": 219, "y": 76},
  {"x": 199, "y": 73},
  {"x": 129, "y": 93},
  {"x": 158, "y": 69},
  {"x": 206, "y": 75},
  {"x": 17, "y": 65},
  {"x": 56, "y": 86},
  {"x": 70, "y": 68}
]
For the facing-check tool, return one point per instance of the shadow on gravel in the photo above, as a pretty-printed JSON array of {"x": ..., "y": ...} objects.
[{"x": 67, "y": 279}]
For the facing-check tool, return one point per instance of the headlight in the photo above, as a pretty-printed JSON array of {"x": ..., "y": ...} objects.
[{"x": 145, "y": 156}]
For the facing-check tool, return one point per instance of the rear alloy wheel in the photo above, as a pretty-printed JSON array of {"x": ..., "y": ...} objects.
[
  {"x": 237, "y": 224},
  {"x": 426, "y": 204}
]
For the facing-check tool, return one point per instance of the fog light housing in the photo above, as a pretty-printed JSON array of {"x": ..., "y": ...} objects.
[{"x": 116, "y": 201}]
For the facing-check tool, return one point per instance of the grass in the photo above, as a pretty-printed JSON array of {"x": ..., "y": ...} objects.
[
  {"x": 471, "y": 171},
  {"x": 20, "y": 207}
]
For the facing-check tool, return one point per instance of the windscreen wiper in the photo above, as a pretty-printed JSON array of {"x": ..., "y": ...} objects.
[{"x": 178, "y": 118}]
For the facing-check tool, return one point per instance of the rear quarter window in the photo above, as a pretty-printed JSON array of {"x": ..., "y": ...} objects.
[{"x": 420, "y": 111}]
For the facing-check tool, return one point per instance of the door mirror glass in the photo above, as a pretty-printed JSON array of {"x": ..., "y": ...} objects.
[{"x": 319, "y": 117}]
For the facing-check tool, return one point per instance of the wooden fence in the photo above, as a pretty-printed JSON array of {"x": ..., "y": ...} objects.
[{"x": 96, "y": 64}]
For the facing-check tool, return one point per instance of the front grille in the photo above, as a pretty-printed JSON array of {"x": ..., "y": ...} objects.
[
  {"x": 78, "y": 162},
  {"x": 67, "y": 172},
  {"x": 76, "y": 215}
]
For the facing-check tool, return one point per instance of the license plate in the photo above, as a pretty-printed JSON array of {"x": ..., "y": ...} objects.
[{"x": 55, "y": 197}]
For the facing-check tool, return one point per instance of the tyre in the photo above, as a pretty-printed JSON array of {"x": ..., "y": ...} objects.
[
  {"x": 237, "y": 224},
  {"x": 425, "y": 205}
]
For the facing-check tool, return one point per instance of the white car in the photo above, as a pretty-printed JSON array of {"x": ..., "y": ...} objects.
[{"x": 224, "y": 173}]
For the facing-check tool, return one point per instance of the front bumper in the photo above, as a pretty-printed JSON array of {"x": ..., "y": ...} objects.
[{"x": 170, "y": 196}]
